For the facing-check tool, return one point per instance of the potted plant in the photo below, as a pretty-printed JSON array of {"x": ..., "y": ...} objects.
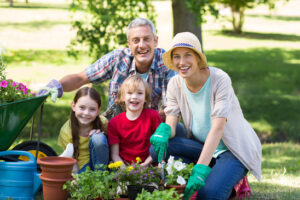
[
  {"x": 17, "y": 106},
  {"x": 159, "y": 194},
  {"x": 177, "y": 174},
  {"x": 133, "y": 178},
  {"x": 10, "y": 90},
  {"x": 98, "y": 184}
]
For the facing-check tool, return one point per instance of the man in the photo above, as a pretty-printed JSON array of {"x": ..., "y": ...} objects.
[{"x": 142, "y": 57}]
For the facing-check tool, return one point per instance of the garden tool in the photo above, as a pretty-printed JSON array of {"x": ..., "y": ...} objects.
[{"x": 162, "y": 173}]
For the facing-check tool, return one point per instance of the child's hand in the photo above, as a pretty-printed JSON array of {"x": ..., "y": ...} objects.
[
  {"x": 145, "y": 165},
  {"x": 147, "y": 162},
  {"x": 94, "y": 131}
]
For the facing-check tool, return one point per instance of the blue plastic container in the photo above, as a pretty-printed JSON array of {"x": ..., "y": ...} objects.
[{"x": 19, "y": 180}]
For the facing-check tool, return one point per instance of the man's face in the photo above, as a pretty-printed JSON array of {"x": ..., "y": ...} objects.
[{"x": 142, "y": 43}]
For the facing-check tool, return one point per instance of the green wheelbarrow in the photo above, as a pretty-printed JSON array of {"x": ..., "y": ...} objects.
[{"x": 13, "y": 118}]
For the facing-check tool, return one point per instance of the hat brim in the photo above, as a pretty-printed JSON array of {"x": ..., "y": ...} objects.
[{"x": 168, "y": 59}]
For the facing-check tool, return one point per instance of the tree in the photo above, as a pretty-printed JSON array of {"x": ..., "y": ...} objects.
[
  {"x": 238, "y": 8},
  {"x": 184, "y": 19},
  {"x": 104, "y": 27},
  {"x": 11, "y": 3},
  {"x": 188, "y": 15}
]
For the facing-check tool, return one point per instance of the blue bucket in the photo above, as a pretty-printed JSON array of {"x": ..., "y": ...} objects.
[{"x": 19, "y": 180}]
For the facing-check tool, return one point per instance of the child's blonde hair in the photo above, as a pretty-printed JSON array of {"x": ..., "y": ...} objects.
[{"x": 132, "y": 83}]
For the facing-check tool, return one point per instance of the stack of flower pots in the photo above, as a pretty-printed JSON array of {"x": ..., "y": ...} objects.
[{"x": 55, "y": 172}]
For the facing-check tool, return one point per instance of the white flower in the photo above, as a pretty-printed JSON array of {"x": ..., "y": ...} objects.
[
  {"x": 171, "y": 160},
  {"x": 179, "y": 165},
  {"x": 169, "y": 169},
  {"x": 180, "y": 180}
]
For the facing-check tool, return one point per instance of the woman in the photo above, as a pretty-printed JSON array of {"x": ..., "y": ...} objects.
[{"x": 220, "y": 140}]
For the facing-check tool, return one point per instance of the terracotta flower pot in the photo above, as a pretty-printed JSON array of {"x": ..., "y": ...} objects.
[
  {"x": 55, "y": 172},
  {"x": 56, "y": 167},
  {"x": 52, "y": 188}
]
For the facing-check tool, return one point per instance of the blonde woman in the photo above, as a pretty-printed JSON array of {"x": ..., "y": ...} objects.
[{"x": 220, "y": 140}]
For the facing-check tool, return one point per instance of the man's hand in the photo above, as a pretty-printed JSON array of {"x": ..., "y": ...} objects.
[
  {"x": 196, "y": 180},
  {"x": 54, "y": 88},
  {"x": 160, "y": 140}
]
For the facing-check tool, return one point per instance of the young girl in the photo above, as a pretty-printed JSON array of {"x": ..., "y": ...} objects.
[
  {"x": 85, "y": 130},
  {"x": 129, "y": 132}
]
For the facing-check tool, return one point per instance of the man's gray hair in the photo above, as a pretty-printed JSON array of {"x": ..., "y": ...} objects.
[{"x": 141, "y": 22}]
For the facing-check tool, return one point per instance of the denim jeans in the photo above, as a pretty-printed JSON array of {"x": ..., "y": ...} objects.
[
  {"x": 99, "y": 152},
  {"x": 180, "y": 130},
  {"x": 226, "y": 172}
]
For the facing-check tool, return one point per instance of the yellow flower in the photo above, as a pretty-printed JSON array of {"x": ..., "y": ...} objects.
[
  {"x": 138, "y": 159},
  {"x": 129, "y": 168},
  {"x": 115, "y": 164},
  {"x": 111, "y": 165},
  {"x": 118, "y": 164}
]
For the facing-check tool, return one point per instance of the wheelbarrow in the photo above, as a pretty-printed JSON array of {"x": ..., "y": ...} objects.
[{"x": 13, "y": 118}]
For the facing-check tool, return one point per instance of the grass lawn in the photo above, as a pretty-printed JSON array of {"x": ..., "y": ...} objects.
[{"x": 264, "y": 64}]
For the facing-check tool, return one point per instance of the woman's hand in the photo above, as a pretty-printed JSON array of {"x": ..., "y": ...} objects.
[
  {"x": 196, "y": 180},
  {"x": 160, "y": 140}
]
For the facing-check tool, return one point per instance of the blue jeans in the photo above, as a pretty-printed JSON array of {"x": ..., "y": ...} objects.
[
  {"x": 180, "y": 130},
  {"x": 99, "y": 152},
  {"x": 226, "y": 172}
]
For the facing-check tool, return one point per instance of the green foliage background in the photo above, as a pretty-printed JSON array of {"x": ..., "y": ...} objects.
[{"x": 105, "y": 23}]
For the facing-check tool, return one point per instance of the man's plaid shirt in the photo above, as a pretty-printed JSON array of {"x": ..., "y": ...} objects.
[{"x": 116, "y": 66}]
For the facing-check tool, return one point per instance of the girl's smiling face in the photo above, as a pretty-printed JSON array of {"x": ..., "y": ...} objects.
[{"x": 86, "y": 110}]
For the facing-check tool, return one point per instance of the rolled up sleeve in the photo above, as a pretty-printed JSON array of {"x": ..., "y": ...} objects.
[
  {"x": 222, "y": 97},
  {"x": 172, "y": 107}
]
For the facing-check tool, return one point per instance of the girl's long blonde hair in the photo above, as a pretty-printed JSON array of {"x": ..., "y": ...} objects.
[{"x": 132, "y": 83}]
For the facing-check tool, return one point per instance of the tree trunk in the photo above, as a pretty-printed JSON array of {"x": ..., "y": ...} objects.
[
  {"x": 11, "y": 3},
  {"x": 237, "y": 14},
  {"x": 184, "y": 20}
]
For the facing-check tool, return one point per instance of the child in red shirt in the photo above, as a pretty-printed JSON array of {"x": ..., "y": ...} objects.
[{"x": 129, "y": 132}]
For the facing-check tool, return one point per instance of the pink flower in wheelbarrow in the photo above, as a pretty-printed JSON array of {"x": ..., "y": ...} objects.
[
  {"x": 11, "y": 91},
  {"x": 3, "y": 84},
  {"x": 14, "y": 84}
]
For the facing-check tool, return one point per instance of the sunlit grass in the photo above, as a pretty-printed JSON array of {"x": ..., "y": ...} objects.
[
  {"x": 33, "y": 25},
  {"x": 27, "y": 58},
  {"x": 276, "y": 18},
  {"x": 280, "y": 173},
  {"x": 35, "y": 5}
]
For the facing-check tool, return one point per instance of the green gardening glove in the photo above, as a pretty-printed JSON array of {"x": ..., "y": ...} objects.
[
  {"x": 197, "y": 180},
  {"x": 160, "y": 140}
]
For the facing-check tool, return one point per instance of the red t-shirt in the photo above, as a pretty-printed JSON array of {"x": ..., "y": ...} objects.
[{"x": 133, "y": 137}]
